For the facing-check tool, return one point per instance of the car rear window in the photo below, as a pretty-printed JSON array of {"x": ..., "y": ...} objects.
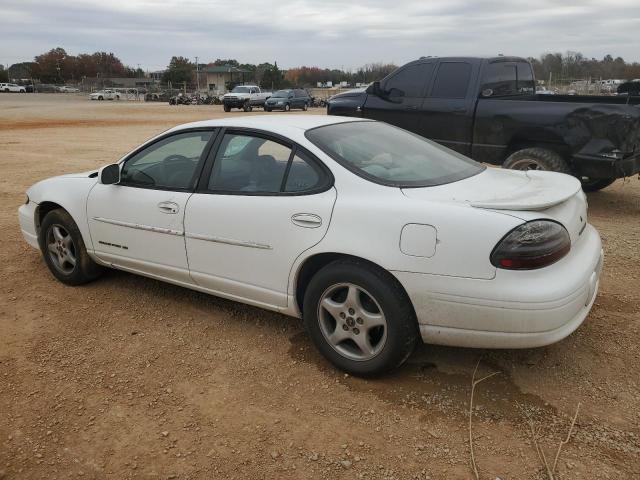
[{"x": 391, "y": 156}]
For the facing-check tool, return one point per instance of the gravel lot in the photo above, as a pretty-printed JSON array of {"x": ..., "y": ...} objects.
[{"x": 131, "y": 378}]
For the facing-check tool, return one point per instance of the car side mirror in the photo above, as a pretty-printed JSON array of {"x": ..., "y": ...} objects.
[{"x": 110, "y": 174}]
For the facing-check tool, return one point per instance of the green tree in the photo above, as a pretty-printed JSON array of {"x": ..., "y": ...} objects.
[
  {"x": 4, "y": 76},
  {"x": 180, "y": 70}
]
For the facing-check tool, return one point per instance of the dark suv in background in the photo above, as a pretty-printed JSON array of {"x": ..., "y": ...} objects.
[
  {"x": 288, "y": 99},
  {"x": 487, "y": 109}
]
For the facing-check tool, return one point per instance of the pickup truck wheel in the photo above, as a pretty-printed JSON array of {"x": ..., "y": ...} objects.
[
  {"x": 246, "y": 107},
  {"x": 359, "y": 317},
  {"x": 64, "y": 250},
  {"x": 594, "y": 185},
  {"x": 536, "y": 159},
  {"x": 227, "y": 108}
]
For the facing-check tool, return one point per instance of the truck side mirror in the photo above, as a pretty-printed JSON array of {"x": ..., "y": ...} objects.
[
  {"x": 374, "y": 88},
  {"x": 110, "y": 174}
]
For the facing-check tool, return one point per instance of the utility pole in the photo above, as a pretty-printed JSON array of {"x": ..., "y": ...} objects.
[{"x": 197, "y": 76}]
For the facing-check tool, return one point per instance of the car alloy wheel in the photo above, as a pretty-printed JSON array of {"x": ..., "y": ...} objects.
[
  {"x": 287, "y": 107},
  {"x": 352, "y": 321},
  {"x": 61, "y": 249}
]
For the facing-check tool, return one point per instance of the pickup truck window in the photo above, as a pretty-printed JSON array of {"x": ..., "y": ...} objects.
[
  {"x": 240, "y": 89},
  {"x": 505, "y": 79},
  {"x": 391, "y": 156},
  {"x": 452, "y": 80},
  {"x": 410, "y": 81}
]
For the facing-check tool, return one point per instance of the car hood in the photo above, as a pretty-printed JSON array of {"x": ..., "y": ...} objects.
[{"x": 499, "y": 189}]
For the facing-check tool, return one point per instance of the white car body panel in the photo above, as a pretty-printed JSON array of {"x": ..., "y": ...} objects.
[
  {"x": 12, "y": 88},
  {"x": 245, "y": 245},
  {"x": 436, "y": 241}
]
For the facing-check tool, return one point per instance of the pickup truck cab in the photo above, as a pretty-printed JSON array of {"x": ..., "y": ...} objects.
[
  {"x": 487, "y": 109},
  {"x": 105, "y": 95},
  {"x": 245, "y": 97},
  {"x": 12, "y": 88}
]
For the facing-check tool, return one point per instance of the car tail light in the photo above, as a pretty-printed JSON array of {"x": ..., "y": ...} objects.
[{"x": 531, "y": 245}]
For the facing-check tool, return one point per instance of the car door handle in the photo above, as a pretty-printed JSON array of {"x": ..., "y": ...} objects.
[
  {"x": 306, "y": 220},
  {"x": 169, "y": 207},
  {"x": 410, "y": 107}
]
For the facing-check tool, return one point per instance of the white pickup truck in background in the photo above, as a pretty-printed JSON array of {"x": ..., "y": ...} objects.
[
  {"x": 105, "y": 95},
  {"x": 12, "y": 87},
  {"x": 245, "y": 97}
]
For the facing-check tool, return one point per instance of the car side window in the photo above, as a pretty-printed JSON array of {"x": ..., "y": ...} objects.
[
  {"x": 452, "y": 80},
  {"x": 303, "y": 174},
  {"x": 246, "y": 163},
  {"x": 167, "y": 164},
  {"x": 410, "y": 81}
]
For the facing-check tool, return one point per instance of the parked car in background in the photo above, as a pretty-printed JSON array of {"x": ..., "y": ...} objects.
[
  {"x": 12, "y": 88},
  {"x": 105, "y": 95},
  {"x": 486, "y": 108},
  {"x": 541, "y": 90},
  {"x": 65, "y": 89},
  {"x": 375, "y": 236},
  {"x": 245, "y": 97},
  {"x": 629, "y": 88},
  {"x": 288, "y": 99}
]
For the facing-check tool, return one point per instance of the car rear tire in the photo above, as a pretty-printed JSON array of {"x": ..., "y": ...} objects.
[
  {"x": 593, "y": 185},
  {"x": 536, "y": 159},
  {"x": 64, "y": 251},
  {"x": 359, "y": 317}
]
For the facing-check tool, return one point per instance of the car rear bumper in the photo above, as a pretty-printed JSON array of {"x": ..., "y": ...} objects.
[
  {"x": 516, "y": 309},
  {"x": 595, "y": 166},
  {"x": 26, "y": 217}
]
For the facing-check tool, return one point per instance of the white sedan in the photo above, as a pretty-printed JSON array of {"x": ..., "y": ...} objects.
[{"x": 374, "y": 236}]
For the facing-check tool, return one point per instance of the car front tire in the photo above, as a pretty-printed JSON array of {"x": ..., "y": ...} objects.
[
  {"x": 64, "y": 251},
  {"x": 359, "y": 317}
]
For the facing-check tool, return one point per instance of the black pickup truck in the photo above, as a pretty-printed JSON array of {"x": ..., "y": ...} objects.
[{"x": 487, "y": 109}]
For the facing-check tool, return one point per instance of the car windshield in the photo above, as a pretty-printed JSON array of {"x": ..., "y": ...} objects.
[
  {"x": 391, "y": 156},
  {"x": 240, "y": 90},
  {"x": 281, "y": 94}
]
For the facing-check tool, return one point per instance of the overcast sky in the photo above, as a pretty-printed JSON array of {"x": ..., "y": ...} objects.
[{"x": 327, "y": 33}]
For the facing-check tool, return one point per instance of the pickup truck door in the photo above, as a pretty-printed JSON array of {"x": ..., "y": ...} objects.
[
  {"x": 446, "y": 115},
  {"x": 401, "y": 97}
]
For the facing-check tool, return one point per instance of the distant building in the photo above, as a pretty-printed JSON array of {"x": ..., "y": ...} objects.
[
  {"x": 220, "y": 79},
  {"x": 117, "y": 82},
  {"x": 157, "y": 75}
]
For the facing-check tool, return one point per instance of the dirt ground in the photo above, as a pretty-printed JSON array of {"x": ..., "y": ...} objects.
[{"x": 128, "y": 377}]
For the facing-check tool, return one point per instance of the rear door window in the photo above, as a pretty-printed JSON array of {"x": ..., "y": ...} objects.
[
  {"x": 452, "y": 80},
  {"x": 500, "y": 80}
]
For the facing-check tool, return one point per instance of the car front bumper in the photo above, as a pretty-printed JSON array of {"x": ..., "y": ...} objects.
[
  {"x": 26, "y": 217},
  {"x": 516, "y": 309}
]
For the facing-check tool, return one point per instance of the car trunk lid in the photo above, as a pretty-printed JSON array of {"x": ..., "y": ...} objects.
[{"x": 526, "y": 195}]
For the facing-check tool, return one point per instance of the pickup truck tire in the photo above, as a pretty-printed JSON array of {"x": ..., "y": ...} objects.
[
  {"x": 247, "y": 107},
  {"x": 227, "y": 108},
  {"x": 596, "y": 184},
  {"x": 536, "y": 159}
]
